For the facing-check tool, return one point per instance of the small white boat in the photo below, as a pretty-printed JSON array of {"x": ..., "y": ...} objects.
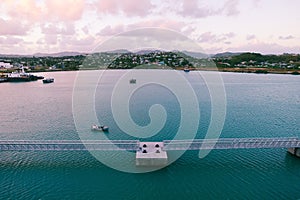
[{"x": 99, "y": 128}]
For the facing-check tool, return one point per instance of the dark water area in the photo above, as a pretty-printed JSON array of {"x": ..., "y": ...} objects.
[{"x": 258, "y": 105}]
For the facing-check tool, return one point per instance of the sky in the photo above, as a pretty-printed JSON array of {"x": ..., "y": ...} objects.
[{"x": 51, "y": 26}]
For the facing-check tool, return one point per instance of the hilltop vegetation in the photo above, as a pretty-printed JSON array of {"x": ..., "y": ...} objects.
[
  {"x": 291, "y": 61},
  {"x": 44, "y": 63},
  {"x": 238, "y": 62},
  {"x": 169, "y": 59}
]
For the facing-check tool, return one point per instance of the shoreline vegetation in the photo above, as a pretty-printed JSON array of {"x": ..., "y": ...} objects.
[
  {"x": 250, "y": 70},
  {"x": 154, "y": 59}
]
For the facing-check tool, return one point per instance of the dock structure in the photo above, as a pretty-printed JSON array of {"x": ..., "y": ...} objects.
[
  {"x": 151, "y": 153},
  {"x": 294, "y": 151}
]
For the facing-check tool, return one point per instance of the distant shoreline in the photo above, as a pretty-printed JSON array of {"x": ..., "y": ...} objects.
[
  {"x": 251, "y": 70},
  {"x": 233, "y": 70},
  {"x": 246, "y": 62}
]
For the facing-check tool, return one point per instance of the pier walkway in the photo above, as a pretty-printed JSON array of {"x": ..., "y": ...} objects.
[
  {"x": 231, "y": 143},
  {"x": 68, "y": 145},
  {"x": 134, "y": 145}
]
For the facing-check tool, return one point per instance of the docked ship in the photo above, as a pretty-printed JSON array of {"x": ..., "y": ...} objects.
[{"x": 18, "y": 76}]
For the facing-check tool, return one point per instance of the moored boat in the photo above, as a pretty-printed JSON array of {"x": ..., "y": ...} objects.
[
  {"x": 48, "y": 80},
  {"x": 186, "y": 69},
  {"x": 39, "y": 77},
  {"x": 99, "y": 128},
  {"x": 132, "y": 81}
]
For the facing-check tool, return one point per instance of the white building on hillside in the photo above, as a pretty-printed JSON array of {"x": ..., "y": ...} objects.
[{"x": 5, "y": 65}]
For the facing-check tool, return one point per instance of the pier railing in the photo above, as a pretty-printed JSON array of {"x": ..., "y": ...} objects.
[
  {"x": 68, "y": 145},
  {"x": 231, "y": 143},
  {"x": 134, "y": 145}
]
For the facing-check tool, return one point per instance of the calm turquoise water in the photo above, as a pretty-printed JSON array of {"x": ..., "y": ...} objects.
[{"x": 257, "y": 106}]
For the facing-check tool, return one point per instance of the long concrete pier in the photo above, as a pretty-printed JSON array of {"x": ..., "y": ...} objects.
[{"x": 151, "y": 153}]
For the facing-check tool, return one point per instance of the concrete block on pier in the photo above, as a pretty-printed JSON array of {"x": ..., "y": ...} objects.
[
  {"x": 151, "y": 154},
  {"x": 294, "y": 151}
]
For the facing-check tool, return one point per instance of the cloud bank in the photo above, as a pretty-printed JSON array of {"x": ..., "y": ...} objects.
[{"x": 31, "y": 26}]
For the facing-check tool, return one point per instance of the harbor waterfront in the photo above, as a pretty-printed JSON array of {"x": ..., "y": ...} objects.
[{"x": 258, "y": 105}]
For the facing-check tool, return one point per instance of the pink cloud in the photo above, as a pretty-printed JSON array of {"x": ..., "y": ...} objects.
[
  {"x": 158, "y": 23},
  {"x": 48, "y": 40},
  {"x": 52, "y": 29},
  {"x": 209, "y": 37},
  {"x": 229, "y": 35},
  {"x": 169, "y": 24},
  {"x": 74, "y": 41},
  {"x": 140, "y": 8},
  {"x": 250, "y": 37},
  {"x": 51, "y": 39},
  {"x": 64, "y": 43},
  {"x": 129, "y": 7},
  {"x": 33, "y": 11},
  {"x": 10, "y": 40},
  {"x": 266, "y": 48},
  {"x": 191, "y": 8},
  {"x": 187, "y": 30},
  {"x": 230, "y": 7},
  {"x": 107, "y": 6},
  {"x": 112, "y": 30},
  {"x": 12, "y": 27},
  {"x": 66, "y": 10},
  {"x": 85, "y": 29},
  {"x": 24, "y": 10},
  {"x": 289, "y": 37},
  {"x": 256, "y": 3}
]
